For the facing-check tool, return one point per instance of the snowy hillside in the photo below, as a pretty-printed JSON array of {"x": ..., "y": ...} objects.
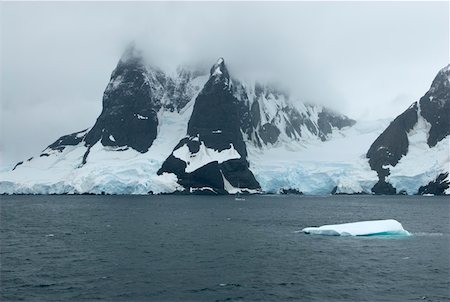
[
  {"x": 107, "y": 169},
  {"x": 270, "y": 116},
  {"x": 207, "y": 132},
  {"x": 212, "y": 157},
  {"x": 412, "y": 154},
  {"x": 423, "y": 163},
  {"x": 317, "y": 167}
]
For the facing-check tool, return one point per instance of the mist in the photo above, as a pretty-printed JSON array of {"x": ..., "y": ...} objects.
[{"x": 368, "y": 60}]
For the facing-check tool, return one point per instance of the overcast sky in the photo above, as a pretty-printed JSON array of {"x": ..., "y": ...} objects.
[{"x": 367, "y": 60}]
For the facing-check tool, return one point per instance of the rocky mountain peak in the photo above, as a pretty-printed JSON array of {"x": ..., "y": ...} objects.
[
  {"x": 395, "y": 142},
  {"x": 435, "y": 107},
  {"x": 441, "y": 81},
  {"x": 213, "y": 156},
  {"x": 219, "y": 74},
  {"x": 219, "y": 68}
]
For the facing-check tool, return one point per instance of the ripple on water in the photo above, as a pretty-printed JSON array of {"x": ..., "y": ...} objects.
[
  {"x": 423, "y": 234},
  {"x": 195, "y": 253}
]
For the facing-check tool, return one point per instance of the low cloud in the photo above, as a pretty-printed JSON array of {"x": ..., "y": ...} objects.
[{"x": 357, "y": 58}]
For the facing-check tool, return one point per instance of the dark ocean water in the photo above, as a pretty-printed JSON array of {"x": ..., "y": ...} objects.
[{"x": 198, "y": 248}]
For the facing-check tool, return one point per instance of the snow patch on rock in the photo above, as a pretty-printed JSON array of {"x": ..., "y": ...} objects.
[
  {"x": 204, "y": 156},
  {"x": 141, "y": 117}
]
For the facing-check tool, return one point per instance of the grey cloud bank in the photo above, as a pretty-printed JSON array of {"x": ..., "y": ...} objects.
[{"x": 367, "y": 60}]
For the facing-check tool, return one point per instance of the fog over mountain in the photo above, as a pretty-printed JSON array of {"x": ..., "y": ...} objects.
[{"x": 366, "y": 60}]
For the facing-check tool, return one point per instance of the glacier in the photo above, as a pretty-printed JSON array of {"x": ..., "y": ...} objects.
[
  {"x": 362, "y": 228},
  {"x": 316, "y": 167},
  {"x": 313, "y": 167}
]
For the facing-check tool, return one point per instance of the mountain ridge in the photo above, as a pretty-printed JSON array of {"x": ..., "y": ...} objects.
[
  {"x": 199, "y": 133},
  {"x": 433, "y": 110}
]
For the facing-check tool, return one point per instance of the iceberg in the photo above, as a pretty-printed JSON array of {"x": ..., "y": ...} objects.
[{"x": 361, "y": 228}]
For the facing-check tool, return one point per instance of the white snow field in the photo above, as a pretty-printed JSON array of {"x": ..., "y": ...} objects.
[
  {"x": 315, "y": 167},
  {"x": 311, "y": 166},
  {"x": 362, "y": 228},
  {"x": 421, "y": 164},
  {"x": 107, "y": 170}
]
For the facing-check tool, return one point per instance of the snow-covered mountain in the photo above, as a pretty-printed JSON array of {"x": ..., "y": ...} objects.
[
  {"x": 213, "y": 155},
  {"x": 413, "y": 154},
  {"x": 162, "y": 133},
  {"x": 269, "y": 115},
  {"x": 208, "y": 132}
]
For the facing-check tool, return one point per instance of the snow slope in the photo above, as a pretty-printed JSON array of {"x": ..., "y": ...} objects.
[
  {"x": 107, "y": 170},
  {"x": 412, "y": 155},
  {"x": 316, "y": 167},
  {"x": 422, "y": 162}
]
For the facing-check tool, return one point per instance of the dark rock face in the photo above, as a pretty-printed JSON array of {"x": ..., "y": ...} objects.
[
  {"x": 383, "y": 188},
  {"x": 436, "y": 187},
  {"x": 216, "y": 109},
  {"x": 269, "y": 133},
  {"x": 290, "y": 191},
  {"x": 435, "y": 107},
  {"x": 393, "y": 143},
  {"x": 68, "y": 140},
  {"x": 130, "y": 106},
  {"x": 18, "y": 164},
  {"x": 329, "y": 120},
  {"x": 214, "y": 125}
]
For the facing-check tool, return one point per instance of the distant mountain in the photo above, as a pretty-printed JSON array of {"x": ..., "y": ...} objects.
[
  {"x": 412, "y": 154},
  {"x": 132, "y": 100},
  {"x": 213, "y": 156},
  {"x": 207, "y": 132},
  {"x": 269, "y": 115}
]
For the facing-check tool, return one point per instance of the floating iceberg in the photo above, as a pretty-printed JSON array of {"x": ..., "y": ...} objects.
[{"x": 362, "y": 228}]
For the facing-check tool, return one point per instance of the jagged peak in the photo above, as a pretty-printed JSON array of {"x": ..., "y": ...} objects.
[
  {"x": 219, "y": 69},
  {"x": 444, "y": 73},
  {"x": 442, "y": 80},
  {"x": 446, "y": 69}
]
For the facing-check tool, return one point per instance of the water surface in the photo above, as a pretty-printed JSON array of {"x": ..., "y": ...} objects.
[{"x": 200, "y": 248}]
